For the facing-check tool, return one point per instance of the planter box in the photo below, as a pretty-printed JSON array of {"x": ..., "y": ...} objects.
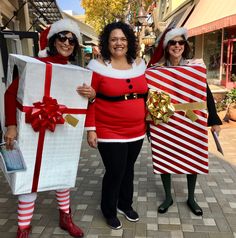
[{"x": 232, "y": 111}]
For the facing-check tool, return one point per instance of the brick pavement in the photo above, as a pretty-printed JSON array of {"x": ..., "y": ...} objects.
[{"x": 216, "y": 193}]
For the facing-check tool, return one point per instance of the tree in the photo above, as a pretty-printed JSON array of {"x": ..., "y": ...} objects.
[{"x": 101, "y": 12}]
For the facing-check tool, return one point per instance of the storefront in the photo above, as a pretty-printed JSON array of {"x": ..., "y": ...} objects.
[
  {"x": 229, "y": 58},
  {"x": 212, "y": 30},
  {"x": 212, "y": 54}
]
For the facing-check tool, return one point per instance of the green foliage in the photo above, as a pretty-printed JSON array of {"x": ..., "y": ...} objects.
[
  {"x": 231, "y": 96},
  {"x": 99, "y": 13},
  {"x": 221, "y": 106}
]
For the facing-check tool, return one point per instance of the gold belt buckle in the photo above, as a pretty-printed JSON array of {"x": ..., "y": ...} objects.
[{"x": 126, "y": 96}]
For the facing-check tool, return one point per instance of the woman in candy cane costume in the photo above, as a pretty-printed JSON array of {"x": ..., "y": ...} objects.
[{"x": 175, "y": 48}]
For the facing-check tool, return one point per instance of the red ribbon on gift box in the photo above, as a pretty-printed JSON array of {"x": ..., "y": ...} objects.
[
  {"x": 44, "y": 116},
  {"x": 47, "y": 113}
]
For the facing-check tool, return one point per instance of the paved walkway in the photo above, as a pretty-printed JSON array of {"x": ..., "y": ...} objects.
[{"x": 216, "y": 193}]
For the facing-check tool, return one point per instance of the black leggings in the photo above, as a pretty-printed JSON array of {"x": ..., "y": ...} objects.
[{"x": 117, "y": 185}]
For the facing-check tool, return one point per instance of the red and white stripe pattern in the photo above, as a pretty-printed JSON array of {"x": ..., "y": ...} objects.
[
  {"x": 26, "y": 205},
  {"x": 180, "y": 146},
  {"x": 63, "y": 200}
]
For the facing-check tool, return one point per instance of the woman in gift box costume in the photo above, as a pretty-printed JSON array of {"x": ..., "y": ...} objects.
[
  {"x": 61, "y": 40},
  {"x": 116, "y": 120},
  {"x": 173, "y": 44}
]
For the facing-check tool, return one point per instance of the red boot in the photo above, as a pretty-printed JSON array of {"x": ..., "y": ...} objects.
[
  {"x": 67, "y": 224},
  {"x": 23, "y": 233}
]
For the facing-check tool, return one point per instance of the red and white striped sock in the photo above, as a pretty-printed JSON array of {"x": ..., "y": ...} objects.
[
  {"x": 63, "y": 200},
  {"x": 26, "y": 204}
]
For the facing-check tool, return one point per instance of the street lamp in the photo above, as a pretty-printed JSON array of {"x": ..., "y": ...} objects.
[{"x": 142, "y": 15}]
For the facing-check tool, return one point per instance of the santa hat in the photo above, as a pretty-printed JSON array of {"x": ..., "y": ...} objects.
[
  {"x": 173, "y": 33},
  {"x": 159, "y": 51},
  {"x": 56, "y": 27}
]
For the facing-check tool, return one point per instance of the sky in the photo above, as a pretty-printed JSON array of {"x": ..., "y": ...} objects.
[{"x": 73, "y": 5}]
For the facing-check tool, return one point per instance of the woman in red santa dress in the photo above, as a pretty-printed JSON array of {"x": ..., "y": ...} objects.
[
  {"x": 61, "y": 40},
  {"x": 116, "y": 120},
  {"x": 174, "y": 45}
]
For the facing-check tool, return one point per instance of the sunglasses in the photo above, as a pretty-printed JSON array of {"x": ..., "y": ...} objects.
[
  {"x": 62, "y": 38},
  {"x": 174, "y": 42}
]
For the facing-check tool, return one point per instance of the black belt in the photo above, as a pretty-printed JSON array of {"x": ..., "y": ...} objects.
[{"x": 122, "y": 97}]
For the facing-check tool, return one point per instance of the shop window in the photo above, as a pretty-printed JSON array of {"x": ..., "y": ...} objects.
[
  {"x": 211, "y": 54},
  {"x": 230, "y": 33}
]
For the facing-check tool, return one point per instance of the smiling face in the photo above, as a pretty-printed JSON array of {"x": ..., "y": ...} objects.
[
  {"x": 64, "y": 44},
  {"x": 176, "y": 49},
  {"x": 117, "y": 43}
]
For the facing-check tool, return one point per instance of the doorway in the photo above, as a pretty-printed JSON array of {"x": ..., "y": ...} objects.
[{"x": 229, "y": 63}]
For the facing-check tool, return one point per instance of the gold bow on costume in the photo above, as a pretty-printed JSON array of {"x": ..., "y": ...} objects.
[{"x": 161, "y": 109}]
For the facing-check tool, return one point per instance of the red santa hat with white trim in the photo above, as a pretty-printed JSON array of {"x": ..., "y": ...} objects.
[
  {"x": 167, "y": 35},
  {"x": 56, "y": 27},
  {"x": 173, "y": 33}
]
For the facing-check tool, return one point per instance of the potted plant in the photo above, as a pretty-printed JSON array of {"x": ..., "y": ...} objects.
[
  {"x": 221, "y": 108},
  {"x": 230, "y": 100}
]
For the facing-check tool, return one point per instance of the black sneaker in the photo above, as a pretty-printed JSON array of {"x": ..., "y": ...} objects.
[
  {"x": 130, "y": 215},
  {"x": 114, "y": 223}
]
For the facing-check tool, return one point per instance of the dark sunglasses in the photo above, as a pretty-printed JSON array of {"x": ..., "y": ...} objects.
[
  {"x": 62, "y": 38},
  {"x": 174, "y": 42}
]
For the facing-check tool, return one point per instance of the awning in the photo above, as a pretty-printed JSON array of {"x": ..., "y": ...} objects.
[
  {"x": 43, "y": 13},
  {"x": 211, "y": 15},
  {"x": 177, "y": 17}
]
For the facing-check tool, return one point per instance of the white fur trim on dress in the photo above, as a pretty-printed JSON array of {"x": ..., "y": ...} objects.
[
  {"x": 173, "y": 33},
  {"x": 64, "y": 25},
  {"x": 92, "y": 128},
  {"x": 42, "y": 53},
  {"x": 108, "y": 71},
  {"x": 121, "y": 140}
]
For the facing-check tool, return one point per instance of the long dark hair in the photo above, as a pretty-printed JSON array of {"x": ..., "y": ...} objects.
[
  {"x": 185, "y": 54},
  {"x": 128, "y": 32},
  {"x": 52, "y": 49}
]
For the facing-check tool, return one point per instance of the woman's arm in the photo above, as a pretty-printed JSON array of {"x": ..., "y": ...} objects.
[
  {"x": 92, "y": 139},
  {"x": 10, "y": 113},
  {"x": 213, "y": 118},
  {"x": 10, "y": 103},
  {"x": 86, "y": 91},
  {"x": 90, "y": 123}
]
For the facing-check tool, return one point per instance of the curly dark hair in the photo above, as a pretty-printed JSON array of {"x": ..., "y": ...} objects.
[
  {"x": 128, "y": 32},
  {"x": 52, "y": 49},
  {"x": 186, "y": 52}
]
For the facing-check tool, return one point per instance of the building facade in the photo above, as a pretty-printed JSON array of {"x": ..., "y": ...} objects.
[{"x": 212, "y": 33}]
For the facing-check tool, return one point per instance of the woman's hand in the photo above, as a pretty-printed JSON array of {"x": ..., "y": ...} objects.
[
  {"x": 216, "y": 128},
  {"x": 86, "y": 91},
  {"x": 92, "y": 139},
  {"x": 10, "y": 136}
]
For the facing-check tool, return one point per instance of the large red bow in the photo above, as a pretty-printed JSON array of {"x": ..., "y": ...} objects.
[{"x": 45, "y": 114}]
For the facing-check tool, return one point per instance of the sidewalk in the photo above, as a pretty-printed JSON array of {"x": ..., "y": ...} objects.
[{"x": 216, "y": 194}]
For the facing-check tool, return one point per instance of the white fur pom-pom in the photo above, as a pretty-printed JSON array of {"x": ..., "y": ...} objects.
[{"x": 42, "y": 53}]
